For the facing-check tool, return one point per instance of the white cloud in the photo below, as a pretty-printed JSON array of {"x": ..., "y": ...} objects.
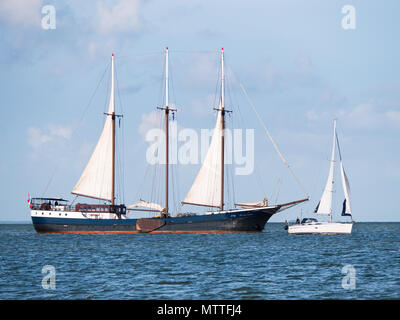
[
  {"x": 150, "y": 121},
  {"x": 370, "y": 115},
  {"x": 21, "y": 13},
  {"x": 122, "y": 17},
  {"x": 60, "y": 131},
  {"x": 373, "y": 115},
  {"x": 37, "y": 137},
  {"x": 394, "y": 116}
]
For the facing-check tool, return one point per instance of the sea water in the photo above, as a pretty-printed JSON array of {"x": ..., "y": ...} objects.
[{"x": 266, "y": 265}]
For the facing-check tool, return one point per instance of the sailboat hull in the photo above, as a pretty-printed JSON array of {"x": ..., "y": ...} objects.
[
  {"x": 251, "y": 220},
  {"x": 321, "y": 228}
]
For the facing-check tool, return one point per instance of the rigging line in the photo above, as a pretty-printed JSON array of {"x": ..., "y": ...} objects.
[
  {"x": 77, "y": 126},
  {"x": 145, "y": 54},
  {"x": 173, "y": 167},
  {"x": 175, "y": 187},
  {"x": 174, "y": 122},
  {"x": 155, "y": 184},
  {"x": 122, "y": 141},
  {"x": 278, "y": 186},
  {"x": 50, "y": 180},
  {"x": 230, "y": 171},
  {"x": 337, "y": 140},
  {"x": 232, "y": 175},
  {"x": 194, "y": 51},
  {"x": 91, "y": 98},
  {"x": 217, "y": 88},
  {"x": 272, "y": 140},
  {"x": 243, "y": 125},
  {"x": 231, "y": 124}
]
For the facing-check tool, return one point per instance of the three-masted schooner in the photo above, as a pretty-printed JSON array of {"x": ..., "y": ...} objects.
[{"x": 98, "y": 181}]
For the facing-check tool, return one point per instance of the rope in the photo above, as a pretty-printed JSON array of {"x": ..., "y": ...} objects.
[
  {"x": 272, "y": 140},
  {"x": 76, "y": 128}
]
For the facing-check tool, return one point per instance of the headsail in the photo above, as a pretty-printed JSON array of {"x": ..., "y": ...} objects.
[
  {"x": 346, "y": 189},
  {"x": 96, "y": 180},
  {"x": 325, "y": 204},
  {"x": 346, "y": 211}
]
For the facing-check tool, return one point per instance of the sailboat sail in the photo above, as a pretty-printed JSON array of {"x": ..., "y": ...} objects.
[
  {"x": 148, "y": 205},
  {"x": 96, "y": 180},
  {"x": 206, "y": 189},
  {"x": 346, "y": 188},
  {"x": 325, "y": 204},
  {"x": 346, "y": 211},
  {"x": 316, "y": 208}
]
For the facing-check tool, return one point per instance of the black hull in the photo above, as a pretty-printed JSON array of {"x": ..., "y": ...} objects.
[{"x": 252, "y": 220}]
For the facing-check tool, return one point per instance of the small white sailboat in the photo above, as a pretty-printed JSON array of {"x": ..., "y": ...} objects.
[{"x": 324, "y": 207}]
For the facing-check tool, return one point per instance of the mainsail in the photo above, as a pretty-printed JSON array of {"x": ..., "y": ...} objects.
[
  {"x": 206, "y": 189},
  {"x": 325, "y": 204},
  {"x": 96, "y": 180}
]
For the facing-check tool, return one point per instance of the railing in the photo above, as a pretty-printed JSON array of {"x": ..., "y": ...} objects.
[
  {"x": 49, "y": 207},
  {"x": 79, "y": 207}
]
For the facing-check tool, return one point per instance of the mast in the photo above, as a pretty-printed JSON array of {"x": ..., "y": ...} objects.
[
  {"x": 166, "y": 129},
  {"x": 113, "y": 132},
  {"x": 325, "y": 204},
  {"x": 166, "y": 109},
  {"x": 222, "y": 127},
  {"x": 97, "y": 180},
  {"x": 332, "y": 163},
  {"x": 208, "y": 187}
]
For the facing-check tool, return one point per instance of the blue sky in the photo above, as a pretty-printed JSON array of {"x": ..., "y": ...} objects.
[{"x": 298, "y": 64}]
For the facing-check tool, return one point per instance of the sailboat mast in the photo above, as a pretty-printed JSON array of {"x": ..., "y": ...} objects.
[
  {"x": 113, "y": 132},
  {"x": 222, "y": 127},
  {"x": 167, "y": 110},
  {"x": 166, "y": 129},
  {"x": 332, "y": 162}
]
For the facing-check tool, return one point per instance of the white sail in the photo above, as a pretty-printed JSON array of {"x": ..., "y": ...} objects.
[
  {"x": 346, "y": 211},
  {"x": 254, "y": 204},
  {"x": 346, "y": 190},
  {"x": 325, "y": 204},
  {"x": 148, "y": 205},
  {"x": 96, "y": 180},
  {"x": 206, "y": 189}
]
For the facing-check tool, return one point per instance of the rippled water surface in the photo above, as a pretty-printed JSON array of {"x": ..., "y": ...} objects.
[{"x": 268, "y": 265}]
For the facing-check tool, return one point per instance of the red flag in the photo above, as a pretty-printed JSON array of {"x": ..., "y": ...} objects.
[{"x": 29, "y": 198}]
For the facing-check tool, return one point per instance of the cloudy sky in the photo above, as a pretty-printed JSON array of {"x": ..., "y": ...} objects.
[{"x": 300, "y": 67}]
